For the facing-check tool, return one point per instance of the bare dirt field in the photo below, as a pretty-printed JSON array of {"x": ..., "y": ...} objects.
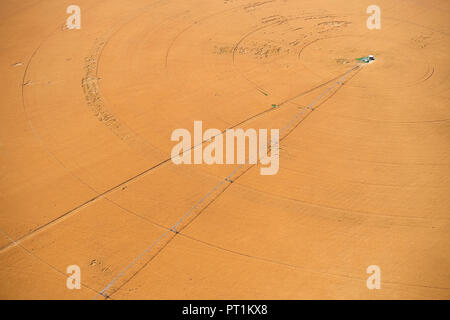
[{"x": 86, "y": 176}]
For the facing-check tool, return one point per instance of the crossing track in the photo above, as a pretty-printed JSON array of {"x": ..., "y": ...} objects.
[{"x": 86, "y": 175}]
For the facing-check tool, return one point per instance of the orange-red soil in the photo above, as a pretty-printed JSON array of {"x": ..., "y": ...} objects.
[{"x": 86, "y": 117}]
